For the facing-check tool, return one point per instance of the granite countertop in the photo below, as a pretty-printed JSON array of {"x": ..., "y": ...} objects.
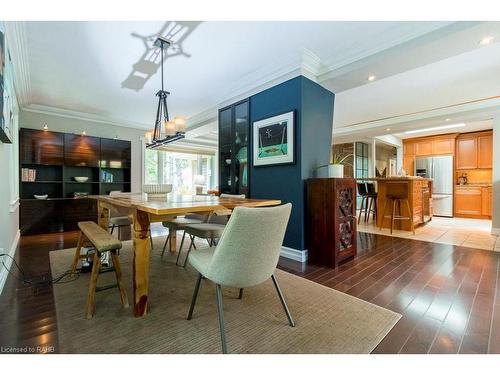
[
  {"x": 472, "y": 184},
  {"x": 398, "y": 178}
]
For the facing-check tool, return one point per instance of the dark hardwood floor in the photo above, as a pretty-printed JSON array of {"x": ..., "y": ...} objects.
[{"x": 449, "y": 296}]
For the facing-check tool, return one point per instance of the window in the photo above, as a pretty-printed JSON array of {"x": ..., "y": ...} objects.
[
  {"x": 361, "y": 165},
  {"x": 183, "y": 170}
]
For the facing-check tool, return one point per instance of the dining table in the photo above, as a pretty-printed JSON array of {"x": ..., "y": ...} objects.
[{"x": 144, "y": 210}]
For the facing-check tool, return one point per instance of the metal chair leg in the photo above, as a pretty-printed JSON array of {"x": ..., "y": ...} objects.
[
  {"x": 165, "y": 245},
  {"x": 151, "y": 240},
  {"x": 220, "y": 310},
  {"x": 112, "y": 228},
  {"x": 180, "y": 249},
  {"x": 240, "y": 295},
  {"x": 282, "y": 299},
  {"x": 195, "y": 296},
  {"x": 189, "y": 250},
  {"x": 361, "y": 209}
]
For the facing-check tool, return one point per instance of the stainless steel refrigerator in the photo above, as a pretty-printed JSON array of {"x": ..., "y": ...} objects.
[{"x": 440, "y": 169}]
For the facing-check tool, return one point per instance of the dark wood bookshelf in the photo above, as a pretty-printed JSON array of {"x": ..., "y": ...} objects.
[{"x": 57, "y": 159}]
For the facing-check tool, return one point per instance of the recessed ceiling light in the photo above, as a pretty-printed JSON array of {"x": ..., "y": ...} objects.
[
  {"x": 435, "y": 128},
  {"x": 388, "y": 129},
  {"x": 448, "y": 119},
  {"x": 45, "y": 127},
  {"x": 84, "y": 132},
  {"x": 371, "y": 78},
  {"x": 486, "y": 40}
]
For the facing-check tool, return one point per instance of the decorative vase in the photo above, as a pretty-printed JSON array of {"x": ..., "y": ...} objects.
[{"x": 335, "y": 170}]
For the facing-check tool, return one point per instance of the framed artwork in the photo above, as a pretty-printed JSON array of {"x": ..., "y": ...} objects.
[{"x": 274, "y": 140}]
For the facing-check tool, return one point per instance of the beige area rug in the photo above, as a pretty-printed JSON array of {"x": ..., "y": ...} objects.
[{"x": 327, "y": 321}]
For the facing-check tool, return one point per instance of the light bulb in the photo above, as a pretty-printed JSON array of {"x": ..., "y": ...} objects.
[
  {"x": 180, "y": 124},
  {"x": 170, "y": 128},
  {"x": 148, "y": 137}
]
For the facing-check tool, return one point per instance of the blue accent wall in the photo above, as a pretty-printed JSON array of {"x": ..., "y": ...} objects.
[{"x": 313, "y": 106}]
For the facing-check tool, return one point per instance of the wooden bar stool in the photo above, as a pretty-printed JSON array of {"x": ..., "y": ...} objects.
[
  {"x": 397, "y": 192},
  {"x": 102, "y": 241}
]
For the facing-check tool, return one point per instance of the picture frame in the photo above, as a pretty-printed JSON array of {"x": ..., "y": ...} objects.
[{"x": 274, "y": 140}]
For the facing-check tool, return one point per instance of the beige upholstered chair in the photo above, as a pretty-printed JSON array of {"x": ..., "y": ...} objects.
[
  {"x": 117, "y": 221},
  {"x": 210, "y": 231},
  {"x": 235, "y": 196},
  {"x": 247, "y": 255},
  {"x": 180, "y": 223}
]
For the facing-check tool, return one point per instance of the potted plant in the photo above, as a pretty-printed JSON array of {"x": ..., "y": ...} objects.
[{"x": 336, "y": 167}]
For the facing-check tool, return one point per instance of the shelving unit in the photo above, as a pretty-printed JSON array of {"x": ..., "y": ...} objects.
[
  {"x": 57, "y": 159},
  {"x": 234, "y": 136}
]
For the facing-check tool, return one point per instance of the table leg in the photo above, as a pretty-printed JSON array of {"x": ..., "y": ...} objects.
[
  {"x": 142, "y": 248},
  {"x": 103, "y": 216},
  {"x": 173, "y": 241}
]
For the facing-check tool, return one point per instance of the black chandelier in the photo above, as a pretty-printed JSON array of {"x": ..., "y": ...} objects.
[{"x": 165, "y": 131}]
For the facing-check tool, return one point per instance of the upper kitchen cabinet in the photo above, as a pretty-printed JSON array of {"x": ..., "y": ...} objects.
[
  {"x": 81, "y": 150},
  {"x": 466, "y": 157},
  {"x": 408, "y": 148},
  {"x": 115, "y": 153},
  {"x": 474, "y": 150},
  {"x": 423, "y": 147},
  {"x": 409, "y": 164},
  {"x": 485, "y": 151},
  {"x": 443, "y": 145},
  {"x": 41, "y": 147}
]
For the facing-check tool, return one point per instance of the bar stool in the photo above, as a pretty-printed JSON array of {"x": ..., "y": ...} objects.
[
  {"x": 397, "y": 192},
  {"x": 372, "y": 197},
  {"x": 368, "y": 196}
]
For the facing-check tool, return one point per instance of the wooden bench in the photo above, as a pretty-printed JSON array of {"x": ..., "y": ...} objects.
[{"x": 103, "y": 242}]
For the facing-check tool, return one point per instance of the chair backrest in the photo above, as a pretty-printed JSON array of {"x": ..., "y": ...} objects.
[
  {"x": 370, "y": 188},
  {"x": 235, "y": 196},
  {"x": 249, "y": 248},
  {"x": 362, "y": 188}
]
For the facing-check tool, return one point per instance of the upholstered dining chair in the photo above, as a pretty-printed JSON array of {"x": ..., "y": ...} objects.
[
  {"x": 122, "y": 221},
  {"x": 179, "y": 223},
  {"x": 209, "y": 231},
  {"x": 246, "y": 256}
]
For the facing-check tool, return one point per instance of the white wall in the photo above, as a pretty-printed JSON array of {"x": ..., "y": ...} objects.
[{"x": 35, "y": 120}]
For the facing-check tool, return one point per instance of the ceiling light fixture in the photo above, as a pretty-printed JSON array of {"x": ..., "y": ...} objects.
[
  {"x": 45, "y": 127},
  {"x": 371, "y": 78},
  {"x": 388, "y": 129},
  {"x": 447, "y": 120},
  {"x": 84, "y": 132},
  {"x": 486, "y": 40},
  {"x": 165, "y": 130},
  {"x": 443, "y": 127}
]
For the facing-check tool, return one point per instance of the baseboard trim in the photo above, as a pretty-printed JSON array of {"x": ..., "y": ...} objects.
[
  {"x": 495, "y": 231},
  {"x": 294, "y": 254},
  {"x": 8, "y": 262}
]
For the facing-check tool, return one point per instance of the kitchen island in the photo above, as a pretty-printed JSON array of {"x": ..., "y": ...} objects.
[{"x": 420, "y": 200}]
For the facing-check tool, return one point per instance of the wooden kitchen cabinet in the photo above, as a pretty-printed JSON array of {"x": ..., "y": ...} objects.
[
  {"x": 443, "y": 146},
  {"x": 466, "y": 156},
  {"x": 485, "y": 151},
  {"x": 423, "y": 147},
  {"x": 408, "y": 148},
  {"x": 409, "y": 164},
  {"x": 486, "y": 201},
  {"x": 468, "y": 201}
]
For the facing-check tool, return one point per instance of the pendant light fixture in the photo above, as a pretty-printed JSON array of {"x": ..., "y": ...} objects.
[{"x": 165, "y": 130}]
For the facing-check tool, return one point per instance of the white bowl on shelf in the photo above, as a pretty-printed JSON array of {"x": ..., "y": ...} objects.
[
  {"x": 157, "y": 190},
  {"x": 41, "y": 197},
  {"x": 81, "y": 179}
]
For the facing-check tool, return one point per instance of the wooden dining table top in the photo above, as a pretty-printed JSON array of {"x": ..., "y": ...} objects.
[{"x": 178, "y": 204}]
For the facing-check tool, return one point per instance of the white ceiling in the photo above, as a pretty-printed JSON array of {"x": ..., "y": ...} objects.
[{"x": 86, "y": 66}]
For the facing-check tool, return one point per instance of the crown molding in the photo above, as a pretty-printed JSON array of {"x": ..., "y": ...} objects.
[
  {"x": 82, "y": 116},
  {"x": 17, "y": 45}
]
